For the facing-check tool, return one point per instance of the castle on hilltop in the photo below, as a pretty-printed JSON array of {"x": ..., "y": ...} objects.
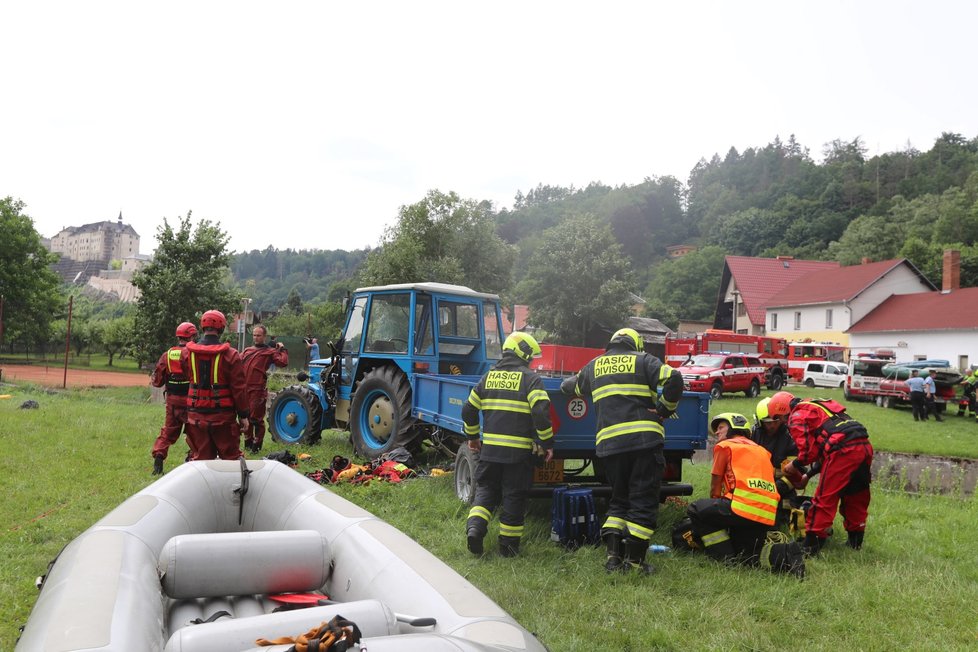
[{"x": 88, "y": 251}]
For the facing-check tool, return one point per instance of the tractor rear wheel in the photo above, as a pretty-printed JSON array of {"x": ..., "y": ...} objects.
[
  {"x": 296, "y": 416},
  {"x": 466, "y": 460},
  {"x": 380, "y": 414}
]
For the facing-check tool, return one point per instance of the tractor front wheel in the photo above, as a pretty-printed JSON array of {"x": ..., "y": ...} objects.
[
  {"x": 296, "y": 416},
  {"x": 380, "y": 414}
]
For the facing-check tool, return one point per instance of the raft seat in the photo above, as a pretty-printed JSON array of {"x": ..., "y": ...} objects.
[{"x": 372, "y": 617}]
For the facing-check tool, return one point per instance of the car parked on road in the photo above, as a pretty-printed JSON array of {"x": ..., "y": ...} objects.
[{"x": 717, "y": 373}]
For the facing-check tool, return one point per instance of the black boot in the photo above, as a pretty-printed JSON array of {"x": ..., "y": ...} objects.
[
  {"x": 813, "y": 544},
  {"x": 855, "y": 540},
  {"x": 635, "y": 551},
  {"x": 157, "y": 466},
  {"x": 473, "y": 540},
  {"x": 509, "y": 546},
  {"x": 613, "y": 543}
]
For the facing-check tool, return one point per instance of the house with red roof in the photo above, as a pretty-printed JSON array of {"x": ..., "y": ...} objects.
[
  {"x": 747, "y": 284},
  {"x": 937, "y": 325},
  {"x": 821, "y": 306}
]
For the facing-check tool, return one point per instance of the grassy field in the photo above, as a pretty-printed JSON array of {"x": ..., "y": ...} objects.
[{"x": 913, "y": 586}]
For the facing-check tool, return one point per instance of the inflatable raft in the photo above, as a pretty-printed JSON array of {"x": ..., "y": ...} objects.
[{"x": 204, "y": 558}]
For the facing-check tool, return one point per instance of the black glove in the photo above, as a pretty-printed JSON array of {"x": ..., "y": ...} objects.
[
  {"x": 254, "y": 446},
  {"x": 662, "y": 410},
  {"x": 157, "y": 466}
]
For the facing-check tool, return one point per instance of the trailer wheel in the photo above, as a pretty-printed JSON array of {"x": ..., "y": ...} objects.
[
  {"x": 716, "y": 390},
  {"x": 296, "y": 416},
  {"x": 466, "y": 460},
  {"x": 754, "y": 390},
  {"x": 380, "y": 414}
]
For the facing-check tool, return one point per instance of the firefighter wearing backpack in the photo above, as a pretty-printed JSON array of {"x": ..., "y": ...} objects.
[
  {"x": 837, "y": 446},
  {"x": 623, "y": 384},
  {"x": 169, "y": 374},
  {"x": 217, "y": 393},
  {"x": 515, "y": 421},
  {"x": 732, "y": 524}
]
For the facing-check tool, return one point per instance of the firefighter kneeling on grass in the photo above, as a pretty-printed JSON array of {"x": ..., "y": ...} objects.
[
  {"x": 515, "y": 421},
  {"x": 734, "y": 522},
  {"x": 836, "y": 445}
]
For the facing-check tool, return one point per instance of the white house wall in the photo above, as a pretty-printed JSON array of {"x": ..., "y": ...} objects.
[
  {"x": 959, "y": 347},
  {"x": 812, "y": 324},
  {"x": 899, "y": 280}
]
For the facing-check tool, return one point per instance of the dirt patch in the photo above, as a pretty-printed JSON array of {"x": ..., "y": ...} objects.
[{"x": 52, "y": 376}]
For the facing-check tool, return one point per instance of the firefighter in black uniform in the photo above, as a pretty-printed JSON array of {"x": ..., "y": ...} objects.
[
  {"x": 771, "y": 432},
  {"x": 623, "y": 383},
  {"x": 516, "y": 421}
]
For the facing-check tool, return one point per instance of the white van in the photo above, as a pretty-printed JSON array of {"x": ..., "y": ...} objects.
[{"x": 820, "y": 373}]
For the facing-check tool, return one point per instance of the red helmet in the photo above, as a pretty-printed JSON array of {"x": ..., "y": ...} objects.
[
  {"x": 780, "y": 404},
  {"x": 186, "y": 330},
  {"x": 213, "y": 319}
]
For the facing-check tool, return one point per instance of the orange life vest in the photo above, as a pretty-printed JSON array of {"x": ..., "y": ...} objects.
[
  {"x": 754, "y": 496},
  {"x": 209, "y": 388}
]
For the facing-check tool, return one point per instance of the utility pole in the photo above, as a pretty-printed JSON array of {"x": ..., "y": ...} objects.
[
  {"x": 71, "y": 300},
  {"x": 243, "y": 324}
]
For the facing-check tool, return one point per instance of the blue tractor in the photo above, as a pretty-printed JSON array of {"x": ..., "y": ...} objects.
[{"x": 393, "y": 333}]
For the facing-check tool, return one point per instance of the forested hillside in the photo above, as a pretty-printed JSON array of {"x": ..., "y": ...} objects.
[{"x": 764, "y": 201}]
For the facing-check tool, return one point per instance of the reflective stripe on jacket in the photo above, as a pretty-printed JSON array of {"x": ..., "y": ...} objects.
[
  {"x": 754, "y": 496},
  {"x": 217, "y": 387},
  {"x": 623, "y": 384},
  {"x": 515, "y": 412}
]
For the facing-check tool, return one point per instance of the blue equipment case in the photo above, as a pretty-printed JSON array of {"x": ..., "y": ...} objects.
[{"x": 574, "y": 521}]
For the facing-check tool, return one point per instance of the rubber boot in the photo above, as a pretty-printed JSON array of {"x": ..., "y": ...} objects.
[
  {"x": 635, "y": 551},
  {"x": 855, "y": 540},
  {"x": 475, "y": 532},
  {"x": 813, "y": 544},
  {"x": 509, "y": 546},
  {"x": 157, "y": 466},
  {"x": 613, "y": 543}
]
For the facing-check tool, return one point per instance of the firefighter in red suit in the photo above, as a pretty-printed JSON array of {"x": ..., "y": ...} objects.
[
  {"x": 838, "y": 447},
  {"x": 217, "y": 396},
  {"x": 169, "y": 373},
  {"x": 258, "y": 359}
]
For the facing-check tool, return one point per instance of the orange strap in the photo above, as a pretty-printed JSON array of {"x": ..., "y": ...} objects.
[{"x": 337, "y": 635}]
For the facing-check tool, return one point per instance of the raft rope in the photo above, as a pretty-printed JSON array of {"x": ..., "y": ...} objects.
[{"x": 337, "y": 635}]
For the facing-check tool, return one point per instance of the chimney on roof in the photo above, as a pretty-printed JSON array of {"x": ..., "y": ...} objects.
[
  {"x": 952, "y": 271},
  {"x": 865, "y": 260}
]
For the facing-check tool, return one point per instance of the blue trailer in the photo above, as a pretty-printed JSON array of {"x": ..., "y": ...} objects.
[
  {"x": 438, "y": 401},
  {"x": 399, "y": 375}
]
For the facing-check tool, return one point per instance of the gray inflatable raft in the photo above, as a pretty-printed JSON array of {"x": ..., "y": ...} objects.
[{"x": 175, "y": 553}]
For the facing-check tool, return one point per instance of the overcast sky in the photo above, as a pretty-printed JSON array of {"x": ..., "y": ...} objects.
[{"x": 308, "y": 124}]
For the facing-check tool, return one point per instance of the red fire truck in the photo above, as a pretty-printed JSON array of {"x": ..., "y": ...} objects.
[
  {"x": 772, "y": 351},
  {"x": 800, "y": 353}
]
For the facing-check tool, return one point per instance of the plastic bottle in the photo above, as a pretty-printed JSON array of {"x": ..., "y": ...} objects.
[{"x": 655, "y": 548}]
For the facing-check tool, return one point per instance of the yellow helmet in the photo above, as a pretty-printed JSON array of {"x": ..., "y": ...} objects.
[
  {"x": 523, "y": 345},
  {"x": 737, "y": 422},
  {"x": 628, "y": 336},
  {"x": 761, "y": 413}
]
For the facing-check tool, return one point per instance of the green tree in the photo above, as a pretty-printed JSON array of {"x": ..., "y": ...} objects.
[
  {"x": 686, "y": 288},
  {"x": 189, "y": 274},
  {"x": 117, "y": 336},
  {"x": 28, "y": 286},
  {"x": 578, "y": 280},
  {"x": 293, "y": 303},
  {"x": 446, "y": 239},
  {"x": 871, "y": 236}
]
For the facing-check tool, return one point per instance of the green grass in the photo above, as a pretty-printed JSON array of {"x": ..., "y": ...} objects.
[
  {"x": 98, "y": 361},
  {"x": 913, "y": 586}
]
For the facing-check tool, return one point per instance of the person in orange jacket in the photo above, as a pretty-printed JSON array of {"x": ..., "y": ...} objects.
[
  {"x": 170, "y": 373},
  {"x": 732, "y": 524},
  {"x": 217, "y": 394},
  {"x": 258, "y": 359}
]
